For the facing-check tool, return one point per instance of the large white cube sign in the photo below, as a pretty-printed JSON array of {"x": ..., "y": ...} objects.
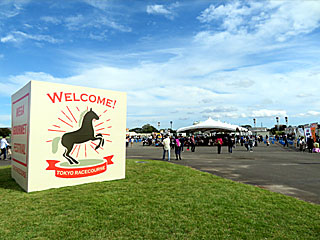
[{"x": 66, "y": 135}]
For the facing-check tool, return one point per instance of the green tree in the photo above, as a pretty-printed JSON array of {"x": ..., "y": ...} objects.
[
  {"x": 5, "y": 132},
  {"x": 137, "y": 130},
  {"x": 147, "y": 128}
]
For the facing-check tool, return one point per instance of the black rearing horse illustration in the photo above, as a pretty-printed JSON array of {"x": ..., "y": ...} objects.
[{"x": 83, "y": 134}]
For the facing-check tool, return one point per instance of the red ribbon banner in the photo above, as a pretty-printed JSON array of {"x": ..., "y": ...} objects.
[{"x": 63, "y": 172}]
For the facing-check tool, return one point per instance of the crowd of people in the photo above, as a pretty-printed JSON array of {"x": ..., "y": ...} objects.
[
  {"x": 310, "y": 144},
  {"x": 179, "y": 143}
]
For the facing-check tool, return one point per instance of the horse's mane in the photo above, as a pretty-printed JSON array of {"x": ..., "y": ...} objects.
[{"x": 82, "y": 117}]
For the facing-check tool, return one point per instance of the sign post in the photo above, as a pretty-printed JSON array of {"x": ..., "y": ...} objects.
[{"x": 66, "y": 135}]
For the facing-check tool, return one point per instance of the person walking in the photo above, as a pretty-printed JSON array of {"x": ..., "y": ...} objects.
[
  {"x": 127, "y": 141},
  {"x": 267, "y": 140},
  {"x": 177, "y": 148},
  {"x": 230, "y": 143},
  {"x": 285, "y": 139},
  {"x": 250, "y": 143},
  {"x": 172, "y": 142},
  {"x": 219, "y": 143},
  {"x": 166, "y": 147},
  {"x": 310, "y": 144},
  {"x": 3, "y": 145},
  {"x": 193, "y": 143},
  {"x": 246, "y": 143},
  {"x": 302, "y": 144}
]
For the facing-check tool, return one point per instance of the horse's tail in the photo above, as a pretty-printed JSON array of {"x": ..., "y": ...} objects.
[{"x": 55, "y": 144}]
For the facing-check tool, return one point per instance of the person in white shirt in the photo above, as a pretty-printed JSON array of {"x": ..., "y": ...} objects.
[
  {"x": 166, "y": 148},
  {"x": 3, "y": 146}
]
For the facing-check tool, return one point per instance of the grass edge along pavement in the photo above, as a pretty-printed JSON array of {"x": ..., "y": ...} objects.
[{"x": 157, "y": 200}]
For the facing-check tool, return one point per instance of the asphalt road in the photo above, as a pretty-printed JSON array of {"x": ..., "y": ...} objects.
[
  {"x": 275, "y": 168},
  {"x": 4, "y": 163}
]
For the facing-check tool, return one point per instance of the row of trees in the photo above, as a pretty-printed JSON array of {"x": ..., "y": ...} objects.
[{"x": 147, "y": 128}]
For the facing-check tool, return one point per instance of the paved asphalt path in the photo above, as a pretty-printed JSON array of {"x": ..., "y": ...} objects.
[
  {"x": 4, "y": 163},
  {"x": 275, "y": 168}
]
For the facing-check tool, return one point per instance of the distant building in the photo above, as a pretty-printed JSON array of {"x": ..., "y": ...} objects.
[{"x": 260, "y": 131}]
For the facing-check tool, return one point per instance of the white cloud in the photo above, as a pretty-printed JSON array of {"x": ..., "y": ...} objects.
[
  {"x": 14, "y": 83},
  {"x": 268, "y": 113},
  {"x": 11, "y": 8},
  {"x": 308, "y": 114},
  {"x": 245, "y": 83},
  {"x": 18, "y": 36},
  {"x": 304, "y": 95},
  {"x": 26, "y": 25},
  {"x": 98, "y": 21},
  {"x": 28, "y": 76},
  {"x": 100, "y": 4},
  {"x": 231, "y": 14},
  {"x": 225, "y": 115},
  {"x": 223, "y": 109},
  {"x": 75, "y": 22},
  {"x": 277, "y": 20},
  {"x": 50, "y": 19},
  {"x": 157, "y": 9},
  {"x": 8, "y": 38},
  {"x": 113, "y": 24},
  {"x": 167, "y": 11}
]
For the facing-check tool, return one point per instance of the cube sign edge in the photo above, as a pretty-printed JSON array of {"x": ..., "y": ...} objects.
[{"x": 65, "y": 135}]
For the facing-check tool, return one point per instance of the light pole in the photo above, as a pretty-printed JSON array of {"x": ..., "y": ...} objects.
[
  {"x": 171, "y": 124},
  {"x": 254, "y": 122},
  {"x": 277, "y": 118},
  {"x": 286, "y": 118},
  {"x": 159, "y": 125}
]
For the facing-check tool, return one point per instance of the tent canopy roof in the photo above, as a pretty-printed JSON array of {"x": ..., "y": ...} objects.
[{"x": 213, "y": 125}]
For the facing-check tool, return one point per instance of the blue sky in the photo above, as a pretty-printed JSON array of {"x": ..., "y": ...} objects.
[{"x": 180, "y": 61}]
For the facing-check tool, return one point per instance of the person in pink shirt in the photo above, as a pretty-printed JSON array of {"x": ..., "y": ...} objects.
[
  {"x": 177, "y": 148},
  {"x": 193, "y": 143},
  {"x": 219, "y": 143}
]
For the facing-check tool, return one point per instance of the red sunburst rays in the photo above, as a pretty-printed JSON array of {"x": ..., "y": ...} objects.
[{"x": 68, "y": 119}]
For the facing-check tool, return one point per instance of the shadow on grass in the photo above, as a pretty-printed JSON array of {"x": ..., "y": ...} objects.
[{"x": 7, "y": 182}]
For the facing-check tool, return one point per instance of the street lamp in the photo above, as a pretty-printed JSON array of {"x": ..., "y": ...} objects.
[
  {"x": 277, "y": 118},
  {"x": 254, "y": 122},
  {"x": 286, "y": 118},
  {"x": 159, "y": 125},
  {"x": 171, "y": 124}
]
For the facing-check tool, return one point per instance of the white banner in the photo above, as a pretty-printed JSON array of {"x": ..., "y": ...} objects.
[{"x": 307, "y": 132}]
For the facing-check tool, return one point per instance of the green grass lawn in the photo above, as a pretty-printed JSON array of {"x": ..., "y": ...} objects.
[{"x": 157, "y": 200}]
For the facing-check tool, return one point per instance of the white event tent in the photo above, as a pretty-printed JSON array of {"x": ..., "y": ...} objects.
[{"x": 213, "y": 125}]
